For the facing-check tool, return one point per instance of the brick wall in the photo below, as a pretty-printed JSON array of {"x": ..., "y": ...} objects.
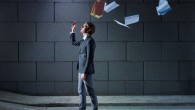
[{"x": 155, "y": 57}]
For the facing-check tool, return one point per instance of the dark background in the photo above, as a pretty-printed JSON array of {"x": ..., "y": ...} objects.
[{"x": 155, "y": 57}]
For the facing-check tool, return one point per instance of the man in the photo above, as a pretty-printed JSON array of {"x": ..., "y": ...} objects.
[{"x": 85, "y": 64}]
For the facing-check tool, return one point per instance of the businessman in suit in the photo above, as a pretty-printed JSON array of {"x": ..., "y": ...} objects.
[{"x": 85, "y": 64}]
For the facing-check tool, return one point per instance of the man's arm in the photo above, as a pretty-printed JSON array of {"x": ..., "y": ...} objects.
[
  {"x": 72, "y": 35},
  {"x": 74, "y": 42}
]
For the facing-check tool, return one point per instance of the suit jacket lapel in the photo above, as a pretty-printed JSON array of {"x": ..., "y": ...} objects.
[{"x": 83, "y": 43}]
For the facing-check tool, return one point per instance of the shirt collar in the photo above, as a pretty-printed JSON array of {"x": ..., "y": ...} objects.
[{"x": 84, "y": 37}]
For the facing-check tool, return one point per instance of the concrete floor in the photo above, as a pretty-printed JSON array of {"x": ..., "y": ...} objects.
[
  {"x": 13, "y": 101},
  {"x": 11, "y": 106},
  {"x": 131, "y": 108},
  {"x": 102, "y": 100}
]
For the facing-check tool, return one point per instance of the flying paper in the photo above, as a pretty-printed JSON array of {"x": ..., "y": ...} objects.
[
  {"x": 162, "y": 1},
  {"x": 163, "y": 7},
  {"x": 131, "y": 19},
  {"x": 121, "y": 24},
  {"x": 110, "y": 6}
]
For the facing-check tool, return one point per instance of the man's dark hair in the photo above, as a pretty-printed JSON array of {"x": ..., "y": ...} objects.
[{"x": 90, "y": 29}]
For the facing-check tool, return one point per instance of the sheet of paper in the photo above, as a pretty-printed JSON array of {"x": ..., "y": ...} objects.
[
  {"x": 110, "y": 6},
  {"x": 163, "y": 7},
  {"x": 164, "y": 12},
  {"x": 121, "y": 24},
  {"x": 161, "y": 2},
  {"x": 131, "y": 19}
]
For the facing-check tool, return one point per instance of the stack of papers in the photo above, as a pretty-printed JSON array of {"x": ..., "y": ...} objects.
[
  {"x": 110, "y": 6},
  {"x": 163, "y": 7},
  {"x": 129, "y": 20}
]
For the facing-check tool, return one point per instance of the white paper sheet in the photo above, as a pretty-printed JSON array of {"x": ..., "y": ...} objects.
[
  {"x": 161, "y": 2},
  {"x": 131, "y": 19},
  {"x": 163, "y": 7},
  {"x": 110, "y": 6},
  {"x": 121, "y": 24}
]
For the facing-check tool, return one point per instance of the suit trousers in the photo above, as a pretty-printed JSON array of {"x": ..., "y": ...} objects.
[{"x": 85, "y": 87}]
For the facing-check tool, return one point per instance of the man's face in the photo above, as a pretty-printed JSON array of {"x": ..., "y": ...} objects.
[{"x": 83, "y": 28}]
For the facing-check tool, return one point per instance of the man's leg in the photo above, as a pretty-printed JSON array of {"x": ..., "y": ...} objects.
[
  {"x": 91, "y": 92},
  {"x": 82, "y": 94}
]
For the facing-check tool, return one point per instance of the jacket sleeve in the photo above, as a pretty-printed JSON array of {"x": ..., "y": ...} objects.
[
  {"x": 74, "y": 42},
  {"x": 89, "y": 59}
]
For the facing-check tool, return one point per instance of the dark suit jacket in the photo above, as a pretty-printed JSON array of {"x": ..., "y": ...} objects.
[{"x": 86, "y": 54}]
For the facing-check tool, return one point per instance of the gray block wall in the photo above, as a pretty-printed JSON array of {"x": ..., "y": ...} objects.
[{"x": 155, "y": 57}]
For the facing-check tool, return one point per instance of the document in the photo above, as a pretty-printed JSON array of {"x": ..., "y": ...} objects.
[
  {"x": 163, "y": 7},
  {"x": 121, "y": 24},
  {"x": 131, "y": 19},
  {"x": 110, "y": 6},
  {"x": 162, "y": 1}
]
